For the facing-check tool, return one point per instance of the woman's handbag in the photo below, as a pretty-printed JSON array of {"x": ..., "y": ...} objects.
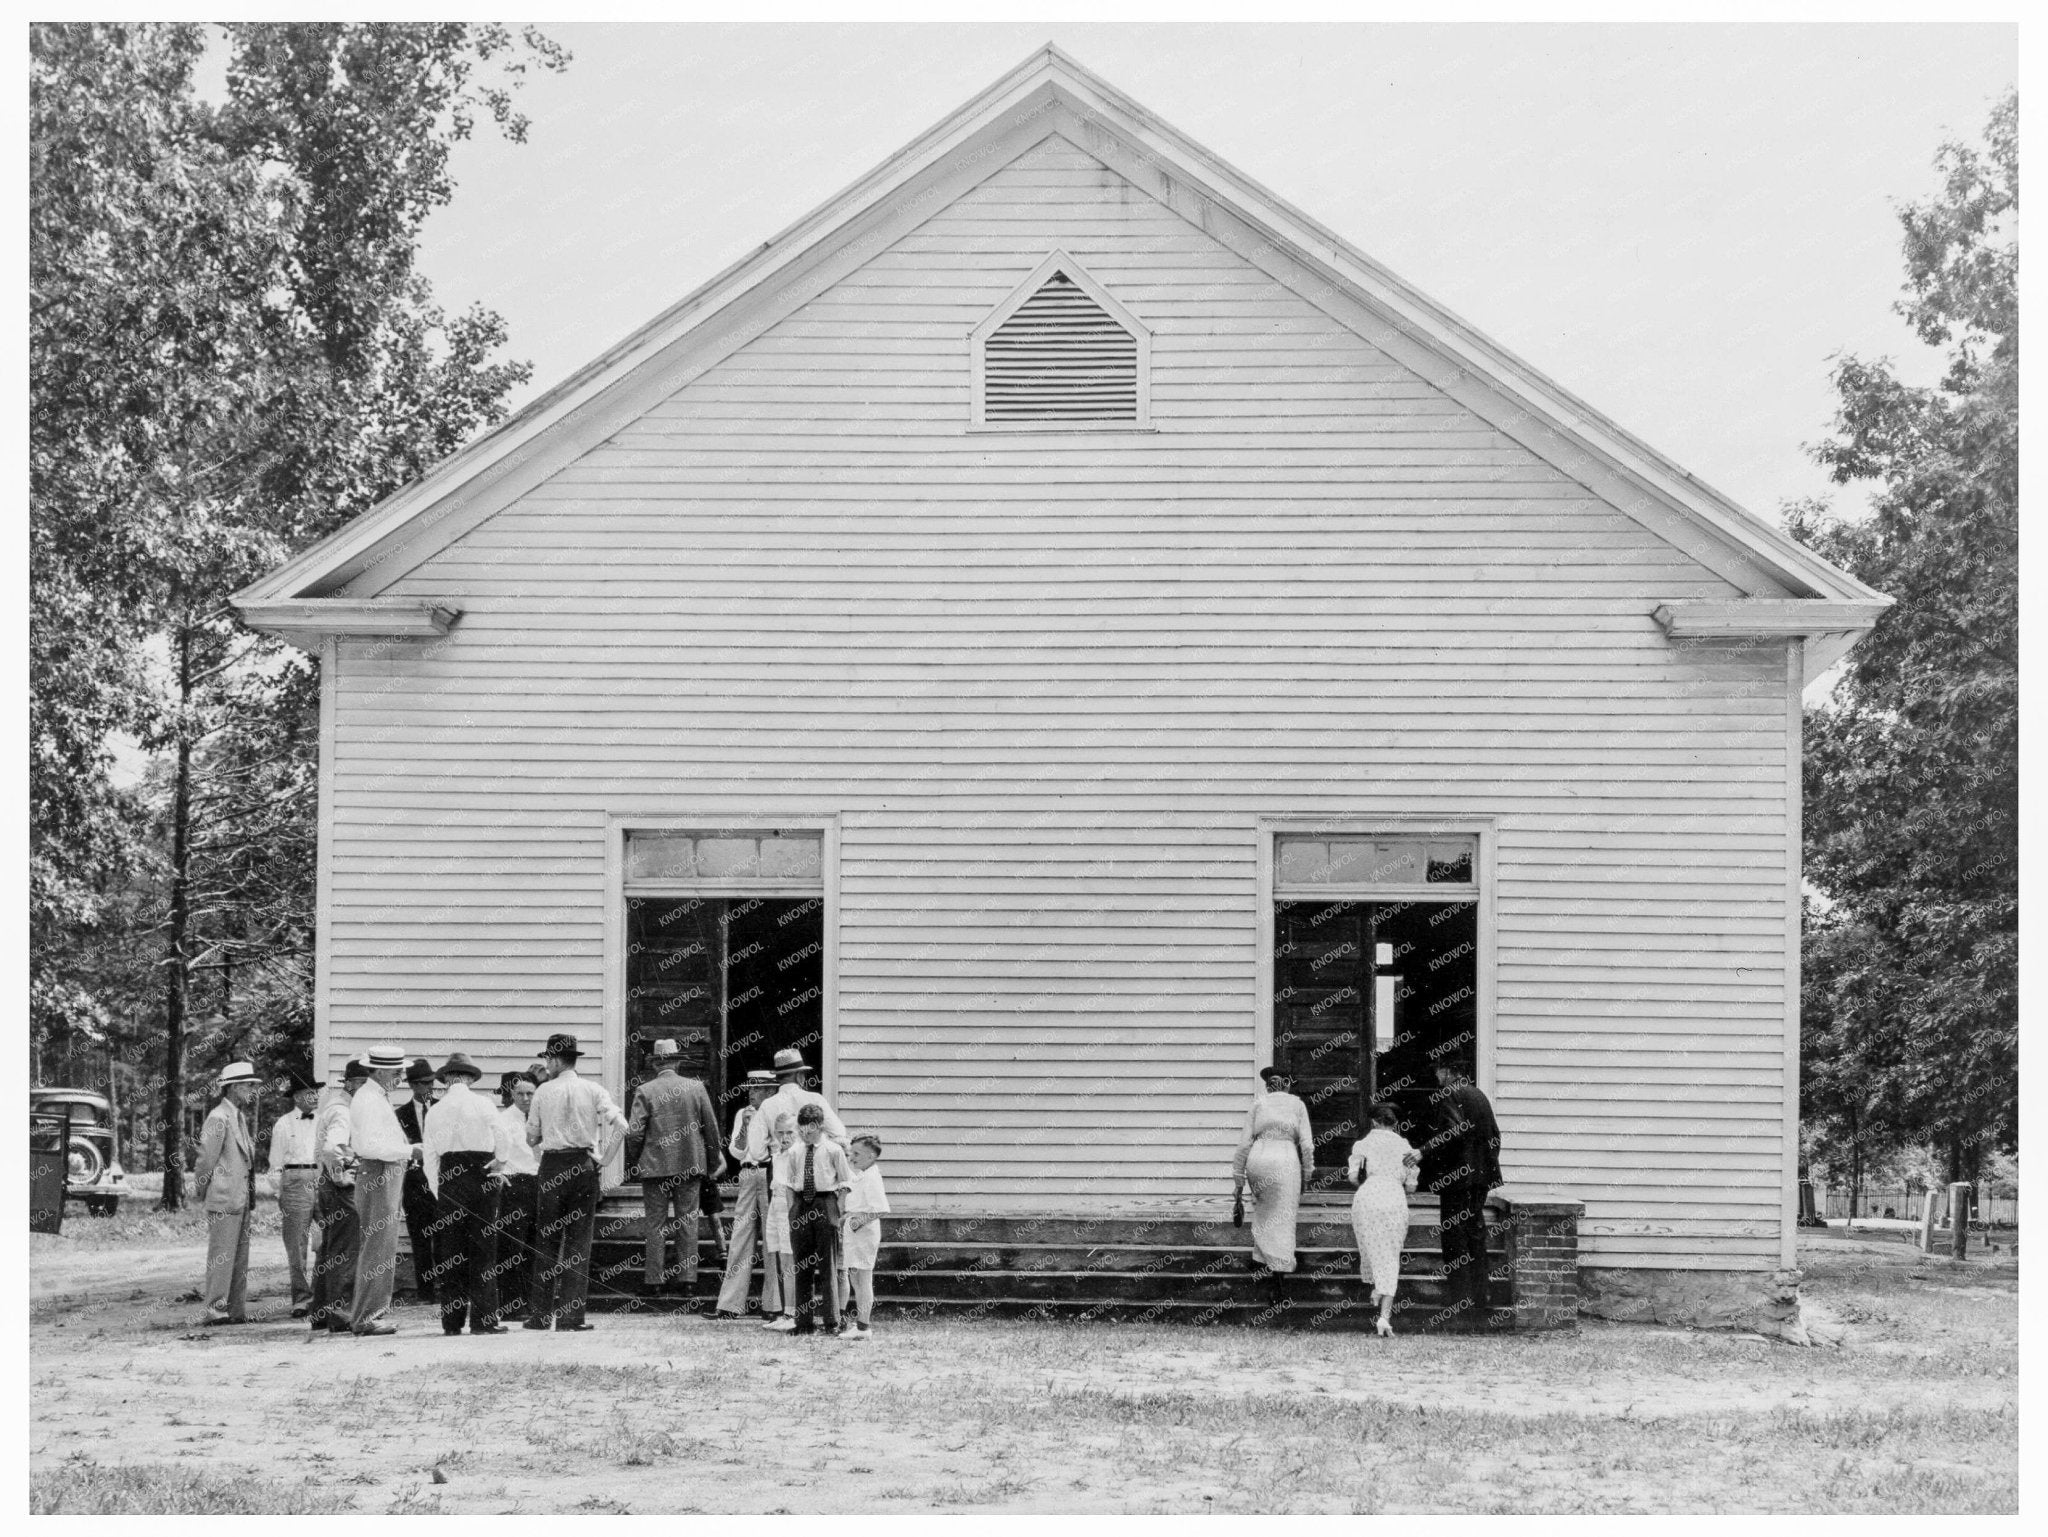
[{"x": 1237, "y": 1210}]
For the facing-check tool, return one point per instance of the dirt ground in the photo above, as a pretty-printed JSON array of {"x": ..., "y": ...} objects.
[{"x": 1912, "y": 1405}]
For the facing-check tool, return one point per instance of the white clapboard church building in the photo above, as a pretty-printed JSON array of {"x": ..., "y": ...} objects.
[{"x": 1051, "y": 632}]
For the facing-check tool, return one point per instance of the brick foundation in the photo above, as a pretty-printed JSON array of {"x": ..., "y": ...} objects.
[{"x": 1540, "y": 1235}]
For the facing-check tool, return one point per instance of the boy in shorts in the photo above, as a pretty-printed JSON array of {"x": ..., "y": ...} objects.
[{"x": 861, "y": 1234}]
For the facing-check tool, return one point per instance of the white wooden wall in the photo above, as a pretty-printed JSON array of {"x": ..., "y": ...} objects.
[{"x": 1047, "y": 683}]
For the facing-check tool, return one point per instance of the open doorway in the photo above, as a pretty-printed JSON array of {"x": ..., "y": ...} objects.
[
  {"x": 732, "y": 980},
  {"x": 1368, "y": 998}
]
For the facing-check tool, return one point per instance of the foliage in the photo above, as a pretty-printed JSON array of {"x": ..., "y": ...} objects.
[
  {"x": 231, "y": 355},
  {"x": 1912, "y": 766}
]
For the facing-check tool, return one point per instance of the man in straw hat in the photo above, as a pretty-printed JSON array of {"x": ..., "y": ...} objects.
[
  {"x": 672, "y": 1140},
  {"x": 295, "y": 1168},
  {"x": 225, "y": 1180},
  {"x": 382, "y": 1156},
  {"x": 577, "y": 1128},
  {"x": 334, "y": 1272},
  {"x": 465, "y": 1148},
  {"x": 749, "y": 1148}
]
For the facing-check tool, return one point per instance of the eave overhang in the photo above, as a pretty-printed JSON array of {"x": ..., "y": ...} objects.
[
  {"x": 1829, "y": 626},
  {"x": 306, "y": 622}
]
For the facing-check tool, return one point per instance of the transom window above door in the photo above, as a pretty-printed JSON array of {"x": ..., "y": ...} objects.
[
  {"x": 726, "y": 860},
  {"x": 1376, "y": 861}
]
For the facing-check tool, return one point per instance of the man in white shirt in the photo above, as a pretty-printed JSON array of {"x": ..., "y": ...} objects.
[
  {"x": 577, "y": 1127},
  {"x": 334, "y": 1272},
  {"x": 793, "y": 1074},
  {"x": 295, "y": 1170},
  {"x": 382, "y": 1156},
  {"x": 790, "y": 1100},
  {"x": 749, "y": 1149},
  {"x": 465, "y": 1147},
  {"x": 516, "y": 1198}
]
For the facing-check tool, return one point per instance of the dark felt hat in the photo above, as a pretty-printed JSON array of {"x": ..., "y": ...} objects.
[
  {"x": 421, "y": 1071},
  {"x": 459, "y": 1065},
  {"x": 789, "y": 1060},
  {"x": 560, "y": 1045}
]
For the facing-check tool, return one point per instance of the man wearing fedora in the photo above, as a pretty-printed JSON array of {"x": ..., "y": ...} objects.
[
  {"x": 750, "y": 1150},
  {"x": 794, "y": 1075},
  {"x": 417, "y": 1198},
  {"x": 225, "y": 1180},
  {"x": 672, "y": 1141},
  {"x": 382, "y": 1157},
  {"x": 464, "y": 1151},
  {"x": 295, "y": 1167},
  {"x": 334, "y": 1272},
  {"x": 577, "y": 1128}
]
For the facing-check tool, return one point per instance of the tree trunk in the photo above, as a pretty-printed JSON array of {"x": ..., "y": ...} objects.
[{"x": 176, "y": 976}]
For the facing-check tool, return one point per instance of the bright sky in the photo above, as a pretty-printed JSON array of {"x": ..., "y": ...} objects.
[{"x": 1679, "y": 224}]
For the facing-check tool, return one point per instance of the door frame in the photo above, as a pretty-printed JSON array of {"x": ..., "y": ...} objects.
[
  {"x": 616, "y": 825},
  {"x": 1389, "y": 825}
]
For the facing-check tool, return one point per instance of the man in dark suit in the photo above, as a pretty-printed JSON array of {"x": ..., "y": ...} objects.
[
  {"x": 417, "y": 1196},
  {"x": 672, "y": 1139},
  {"x": 1470, "y": 1167}
]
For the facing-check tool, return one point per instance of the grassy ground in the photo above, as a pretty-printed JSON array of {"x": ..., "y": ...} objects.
[{"x": 1913, "y": 1410}]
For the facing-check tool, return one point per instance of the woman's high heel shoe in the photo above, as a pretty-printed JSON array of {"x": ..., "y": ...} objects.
[{"x": 1382, "y": 1328}]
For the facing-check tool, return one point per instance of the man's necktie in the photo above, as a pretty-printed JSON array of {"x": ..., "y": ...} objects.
[{"x": 810, "y": 1178}]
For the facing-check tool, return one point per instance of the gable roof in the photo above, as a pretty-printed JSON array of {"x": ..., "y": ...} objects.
[{"x": 1051, "y": 94}]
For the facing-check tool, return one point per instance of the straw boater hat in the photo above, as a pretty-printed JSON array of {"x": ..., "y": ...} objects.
[
  {"x": 458, "y": 1066},
  {"x": 789, "y": 1060},
  {"x": 562, "y": 1046},
  {"x": 666, "y": 1051},
  {"x": 761, "y": 1078},
  {"x": 238, "y": 1072},
  {"x": 421, "y": 1071},
  {"x": 381, "y": 1057}
]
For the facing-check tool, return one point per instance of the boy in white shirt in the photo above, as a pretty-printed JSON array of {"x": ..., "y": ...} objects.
[
  {"x": 777, "y": 1255},
  {"x": 861, "y": 1234}
]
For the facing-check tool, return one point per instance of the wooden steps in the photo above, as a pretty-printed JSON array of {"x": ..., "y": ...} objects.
[{"x": 1169, "y": 1268}]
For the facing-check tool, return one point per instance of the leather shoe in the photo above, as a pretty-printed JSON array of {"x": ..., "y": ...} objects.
[
  {"x": 534, "y": 1323},
  {"x": 577, "y": 1328},
  {"x": 299, "y": 1312},
  {"x": 489, "y": 1329},
  {"x": 377, "y": 1329}
]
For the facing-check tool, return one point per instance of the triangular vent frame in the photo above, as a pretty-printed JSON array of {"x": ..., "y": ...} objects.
[{"x": 1060, "y": 354}]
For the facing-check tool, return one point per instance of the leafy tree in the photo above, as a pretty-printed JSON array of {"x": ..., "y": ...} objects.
[
  {"x": 1912, "y": 764},
  {"x": 278, "y": 367}
]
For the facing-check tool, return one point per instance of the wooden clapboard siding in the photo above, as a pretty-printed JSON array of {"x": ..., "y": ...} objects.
[{"x": 1047, "y": 683}]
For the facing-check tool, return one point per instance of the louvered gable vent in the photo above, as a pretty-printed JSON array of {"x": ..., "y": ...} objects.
[{"x": 1061, "y": 356}]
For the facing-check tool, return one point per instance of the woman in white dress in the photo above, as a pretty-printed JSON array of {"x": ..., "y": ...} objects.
[
  {"x": 1277, "y": 1148},
  {"x": 1384, "y": 1167}
]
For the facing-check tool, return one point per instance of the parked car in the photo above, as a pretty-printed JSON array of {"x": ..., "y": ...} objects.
[{"x": 92, "y": 1165}]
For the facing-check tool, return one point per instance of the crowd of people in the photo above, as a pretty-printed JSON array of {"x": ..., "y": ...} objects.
[{"x": 499, "y": 1195}]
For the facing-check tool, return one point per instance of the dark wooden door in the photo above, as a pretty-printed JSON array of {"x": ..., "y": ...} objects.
[
  {"x": 674, "y": 971},
  {"x": 1322, "y": 1039}
]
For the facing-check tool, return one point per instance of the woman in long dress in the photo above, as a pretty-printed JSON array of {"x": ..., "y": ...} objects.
[
  {"x": 1383, "y": 1165},
  {"x": 1277, "y": 1148}
]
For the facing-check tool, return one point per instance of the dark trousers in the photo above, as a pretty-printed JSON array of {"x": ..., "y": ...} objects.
[
  {"x": 514, "y": 1243},
  {"x": 814, "y": 1242},
  {"x": 565, "y": 1212},
  {"x": 668, "y": 1203},
  {"x": 1461, "y": 1232},
  {"x": 334, "y": 1271},
  {"x": 417, "y": 1197},
  {"x": 465, "y": 1241}
]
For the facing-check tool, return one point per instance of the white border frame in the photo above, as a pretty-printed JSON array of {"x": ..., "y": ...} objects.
[
  {"x": 977, "y": 366},
  {"x": 616, "y": 825},
  {"x": 1396, "y": 824}
]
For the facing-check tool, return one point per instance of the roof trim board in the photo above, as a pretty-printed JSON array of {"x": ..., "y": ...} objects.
[{"x": 1050, "y": 93}]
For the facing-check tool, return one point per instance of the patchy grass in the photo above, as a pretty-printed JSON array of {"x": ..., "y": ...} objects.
[
  {"x": 82, "y": 1487},
  {"x": 1913, "y": 1411},
  {"x": 140, "y": 1222}
]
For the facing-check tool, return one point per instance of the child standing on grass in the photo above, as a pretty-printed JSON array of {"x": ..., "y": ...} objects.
[
  {"x": 861, "y": 1239},
  {"x": 777, "y": 1253}
]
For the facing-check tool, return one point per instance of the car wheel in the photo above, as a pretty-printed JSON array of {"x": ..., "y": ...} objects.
[
  {"x": 102, "y": 1206},
  {"x": 84, "y": 1162}
]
